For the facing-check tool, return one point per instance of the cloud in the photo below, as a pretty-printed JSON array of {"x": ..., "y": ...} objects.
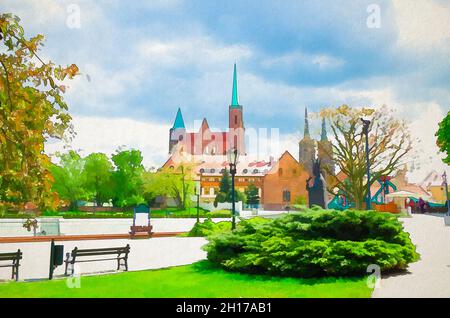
[
  {"x": 199, "y": 51},
  {"x": 422, "y": 24},
  {"x": 298, "y": 58},
  {"x": 106, "y": 135}
]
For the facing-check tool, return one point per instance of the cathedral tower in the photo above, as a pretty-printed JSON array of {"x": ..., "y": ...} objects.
[
  {"x": 325, "y": 151},
  {"x": 307, "y": 151},
  {"x": 178, "y": 131},
  {"x": 236, "y": 136}
]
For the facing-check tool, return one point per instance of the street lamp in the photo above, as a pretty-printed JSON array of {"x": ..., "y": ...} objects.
[
  {"x": 447, "y": 202},
  {"x": 232, "y": 160},
  {"x": 366, "y": 124}
]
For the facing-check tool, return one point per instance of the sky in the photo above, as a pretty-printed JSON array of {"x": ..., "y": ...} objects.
[{"x": 140, "y": 61}]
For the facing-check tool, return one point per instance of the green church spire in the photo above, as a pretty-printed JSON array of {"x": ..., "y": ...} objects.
[
  {"x": 323, "y": 136},
  {"x": 234, "y": 98},
  {"x": 306, "y": 133},
  {"x": 179, "y": 122}
]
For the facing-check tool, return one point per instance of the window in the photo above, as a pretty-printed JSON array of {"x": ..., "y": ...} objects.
[
  {"x": 202, "y": 170},
  {"x": 294, "y": 172},
  {"x": 245, "y": 171},
  {"x": 286, "y": 196},
  {"x": 280, "y": 172},
  {"x": 213, "y": 170},
  {"x": 255, "y": 171},
  {"x": 180, "y": 138},
  {"x": 235, "y": 119}
]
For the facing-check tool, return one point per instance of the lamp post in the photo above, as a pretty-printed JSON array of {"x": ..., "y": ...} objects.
[
  {"x": 447, "y": 202},
  {"x": 366, "y": 124},
  {"x": 232, "y": 160}
]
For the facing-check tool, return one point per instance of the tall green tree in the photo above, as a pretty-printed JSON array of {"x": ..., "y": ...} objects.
[
  {"x": 252, "y": 194},
  {"x": 32, "y": 109},
  {"x": 128, "y": 184},
  {"x": 225, "y": 190},
  {"x": 97, "y": 176},
  {"x": 69, "y": 178},
  {"x": 443, "y": 137}
]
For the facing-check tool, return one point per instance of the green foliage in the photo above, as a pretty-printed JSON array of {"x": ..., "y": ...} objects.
[
  {"x": 322, "y": 243},
  {"x": 225, "y": 191},
  {"x": 443, "y": 137},
  {"x": 252, "y": 194},
  {"x": 300, "y": 200},
  {"x": 177, "y": 184},
  {"x": 69, "y": 179},
  {"x": 225, "y": 182},
  {"x": 32, "y": 110},
  {"x": 97, "y": 174},
  {"x": 128, "y": 177},
  {"x": 208, "y": 228}
]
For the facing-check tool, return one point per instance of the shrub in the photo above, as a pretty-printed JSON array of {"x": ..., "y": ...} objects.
[
  {"x": 208, "y": 228},
  {"x": 323, "y": 243}
]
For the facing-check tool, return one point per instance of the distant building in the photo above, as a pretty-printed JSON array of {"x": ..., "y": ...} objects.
[
  {"x": 207, "y": 142},
  {"x": 307, "y": 149},
  {"x": 280, "y": 183}
]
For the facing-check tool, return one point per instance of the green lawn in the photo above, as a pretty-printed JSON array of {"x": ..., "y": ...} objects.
[{"x": 196, "y": 280}]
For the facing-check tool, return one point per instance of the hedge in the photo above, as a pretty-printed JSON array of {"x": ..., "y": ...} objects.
[{"x": 313, "y": 244}]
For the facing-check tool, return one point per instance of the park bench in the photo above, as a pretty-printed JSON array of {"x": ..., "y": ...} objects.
[
  {"x": 120, "y": 252},
  {"x": 14, "y": 258}
]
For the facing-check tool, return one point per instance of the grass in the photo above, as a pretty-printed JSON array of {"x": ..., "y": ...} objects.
[{"x": 196, "y": 280}]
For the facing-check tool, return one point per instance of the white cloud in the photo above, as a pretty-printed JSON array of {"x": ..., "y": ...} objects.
[
  {"x": 192, "y": 51},
  {"x": 422, "y": 24},
  {"x": 106, "y": 135},
  {"x": 320, "y": 61}
]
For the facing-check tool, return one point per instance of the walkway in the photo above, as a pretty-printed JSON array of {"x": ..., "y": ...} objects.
[
  {"x": 429, "y": 277},
  {"x": 145, "y": 254}
]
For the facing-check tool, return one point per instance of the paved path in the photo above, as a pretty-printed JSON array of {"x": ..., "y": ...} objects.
[
  {"x": 145, "y": 254},
  {"x": 429, "y": 277}
]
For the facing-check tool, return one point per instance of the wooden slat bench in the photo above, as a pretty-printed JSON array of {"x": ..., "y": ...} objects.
[
  {"x": 14, "y": 258},
  {"x": 120, "y": 252}
]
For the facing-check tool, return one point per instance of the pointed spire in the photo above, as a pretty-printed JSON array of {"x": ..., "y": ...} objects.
[
  {"x": 179, "y": 122},
  {"x": 306, "y": 133},
  {"x": 323, "y": 136},
  {"x": 234, "y": 97}
]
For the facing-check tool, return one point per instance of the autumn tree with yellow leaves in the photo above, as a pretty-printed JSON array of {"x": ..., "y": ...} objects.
[
  {"x": 389, "y": 144},
  {"x": 32, "y": 109}
]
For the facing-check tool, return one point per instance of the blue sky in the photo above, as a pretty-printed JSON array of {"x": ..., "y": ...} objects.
[{"x": 141, "y": 61}]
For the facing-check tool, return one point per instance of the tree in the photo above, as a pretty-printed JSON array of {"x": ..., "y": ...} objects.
[
  {"x": 389, "y": 143},
  {"x": 225, "y": 193},
  {"x": 128, "y": 185},
  {"x": 69, "y": 178},
  {"x": 177, "y": 184},
  {"x": 252, "y": 194},
  {"x": 443, "y": 137},
  {"x": 32, "y": 110},
  {"x": 97, "y": 175}
]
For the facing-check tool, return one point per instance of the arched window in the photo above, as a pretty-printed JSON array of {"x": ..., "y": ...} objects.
[
  {"x": 286, "y": 196},
  {"x": 280, "y": 172},
  {"x": 235, "y": 119}
]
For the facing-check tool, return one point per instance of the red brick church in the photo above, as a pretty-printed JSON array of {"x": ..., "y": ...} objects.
[{"x": 205, "y": 141}]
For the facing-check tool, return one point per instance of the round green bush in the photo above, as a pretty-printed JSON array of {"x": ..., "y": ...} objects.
[{"x": 312, "y": 244}]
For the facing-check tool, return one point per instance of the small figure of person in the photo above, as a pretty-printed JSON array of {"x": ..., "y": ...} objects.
[
  {"x": 409, "y": 205},
  {"x": 421, "y": 205}
]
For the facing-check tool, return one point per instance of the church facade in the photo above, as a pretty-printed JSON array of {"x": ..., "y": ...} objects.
[{"x": 208, "y": 142}]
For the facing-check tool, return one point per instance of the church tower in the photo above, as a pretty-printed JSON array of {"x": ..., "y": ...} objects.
[
  {"x": 307, "y": 151},
  {"x": 236, "y": 135},
  {"x": 325, "y": 151},
  {"x": 178, "y": 131}
]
